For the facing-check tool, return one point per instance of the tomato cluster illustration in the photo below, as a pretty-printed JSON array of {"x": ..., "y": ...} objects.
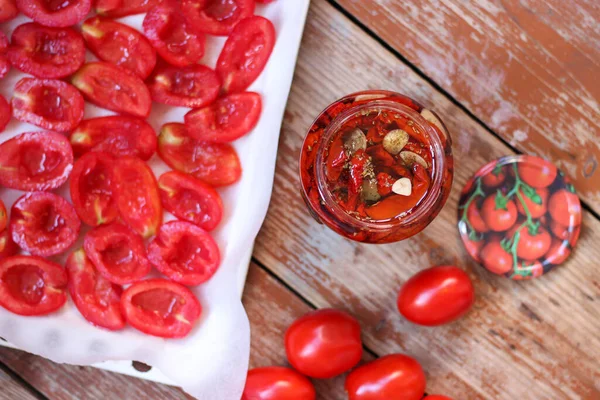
[{"x": 519, "y": 217}]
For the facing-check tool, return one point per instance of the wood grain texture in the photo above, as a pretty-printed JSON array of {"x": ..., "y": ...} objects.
[
  {"x": 528, "y": 69},
  {"x": 523, "y": 340},
  {"x": 12, "y": 389}
]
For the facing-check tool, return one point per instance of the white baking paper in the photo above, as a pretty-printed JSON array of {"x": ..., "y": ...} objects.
[{"x": 211, "y": 363}]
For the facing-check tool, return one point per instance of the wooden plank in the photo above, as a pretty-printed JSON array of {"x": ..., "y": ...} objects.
[
  {"x": 12, "y": 389},
  {"x": 523, "y": 340},
  {"x": 527, "y": 69}
]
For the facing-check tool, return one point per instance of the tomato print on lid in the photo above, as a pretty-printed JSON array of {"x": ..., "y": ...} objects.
[{"x": 519, "y": 216}]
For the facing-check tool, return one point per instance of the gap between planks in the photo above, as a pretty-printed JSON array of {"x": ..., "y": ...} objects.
[{"x": 18, "y": 379}]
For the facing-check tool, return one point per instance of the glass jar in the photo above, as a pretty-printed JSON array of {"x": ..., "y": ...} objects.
[{"x": 376, "y": 167}]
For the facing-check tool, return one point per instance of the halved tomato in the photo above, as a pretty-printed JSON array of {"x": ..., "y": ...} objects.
[
  {"x": 138, "y": 199},
  {"x": 185, "y": 253},
  {"x": 214, "y": 163},
  {"x": 97, "y": 299},
  {"x": 190, "y": 199},
  {"x": 55, "y": 13},
  {"x": 113, "y": 88},
  {"x": 35, "y": 161},
  {"x": 47, "y": 103},
  {"x": 245, "y": 53},
  {"x": 117, "y": 252},
  {"x": 216, "y": 17},
  {"x": 92, "y": 189},
  {"x": 43, "y": 223},
  {"x": 8, "y": 10},
  {"x": 7, "y": 246},
  {"x": 161, "y": 308},
  {"x": 122, "y": 8},
  {"x": 193, "y": 86},
  {"x": 4, "y": 64},
  {"x": 46, "y": 52},
  {"x": 30, "y": 285},
  {"x": 119, "y": 44},
  {"x": 117, "y": 135},
  {"x": 173, "y": 38},
  {"x": 4, "y": 113},
  {"x": 226, "y": 120},
  {"x": 4, "y": 216}
]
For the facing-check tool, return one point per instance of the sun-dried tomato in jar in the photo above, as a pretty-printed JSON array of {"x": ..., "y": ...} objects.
[{"x": 376, "y": 167}]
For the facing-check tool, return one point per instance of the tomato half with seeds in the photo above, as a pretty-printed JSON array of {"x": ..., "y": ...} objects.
[
  {"x": 30, "y": 285},
  {"x": 92, "y": 189},
  {"x": 161, "y": 308},
  {"x": 119, "y": 44},
  {"x": 565, "y": 208},
  {"x": 5, "y": 113},
  {"x": 47, "y": 53},
  {"x": 227, "y": 119},
  {"x": 138, "y": 199},
  {"x": 44, "y": 224},
  {"x": 117, "y": 252},
  {"x": 185, "y": 253},
  {"x": 537, "y": 172},
  {"x": 55, "y": 13},
  {"x": 190, "y": 199},
  {"x": 533, "y": 246},
  {"x": 537, "y": 204},
  {"x": 246, "y": 53},
  {"x": 495, "y": 258},
  {"x": 498, "y": 213},
  {"x": 122, "y": 8},
  {"x": 8, "y": 10},
  {"x": 216, "y": 17},
  {"x": 4, "y": 63},
  {"x": 395, "y": 376},
  {"x": 117, "y": 135},
  {"x": 324, "y": 343},
  {"x": 7, "y": 246},
  {"x": 97, "y": 299},
  {"x": 47, "y": 103},
  {"x": 3, "y": 216},
  {"x": 214, "y": 163},
  {"x": 277, "y": 383},
  {"x": 35, "y": 161},
  {"x": 193, "y": 86},
  {"x": 175, "y": 40},
  {"x": 113, "y": 88}
]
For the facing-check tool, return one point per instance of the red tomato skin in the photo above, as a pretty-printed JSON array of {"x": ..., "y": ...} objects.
[
  {"x": 324, "y": 343},
  {"x": 492, "y": 180},
  {"x": 226, "y": 120},
  {"x": 3, "y": 216},
  {"x": 180, "y": 193},
  {"x": 436, "y": 296},
  {"x": 565, "y": 208},
  {"x": 240, "y": 63},
  {"x": 193, "y": 86},
  {"x": 43, "y": 223},
  {"x": 475, "y": 218},
  {"x": 122, "y": 8},
  {"x": 4, "y": 64},
  {"x": 537, "y": 172},
  {"x": 48, "y": 279},
  {"x": 214, "y": 163},
  {"x": 559, "y": 230},
  {"x": 5, "y": 112},
  {"x": 277, "y": 383},
  {"x": 117, "y": 135},
  {"x": 199, "y": 14},
  {"x": 558, "y": 252},
  {"x": 531, "y": 247},
  {"x": 498, "y": 220},
  {"x": 495, "y": 259},
  {"x": 436, "y": 397},
  {"x": 31, "y": 99},
  {"x": 8, "y": 10},
  {"x": 536, "y": 210},
  {"x": 150, "y": 323},
  {"x": 62, "y": 17},
  {"x": 474, "y": 248},
  {"x": 97, "y": 300},
  {"x": 395, "y": 376},
  {"x": 7, "y": 246}
]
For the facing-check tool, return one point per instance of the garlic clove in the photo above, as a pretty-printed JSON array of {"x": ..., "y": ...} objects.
[
  {"x": 394, "y": 141},
  {"x": 354, "y": 140},
  {"x": 403, "y": 187},
  {"x": 411, "y": 158}
]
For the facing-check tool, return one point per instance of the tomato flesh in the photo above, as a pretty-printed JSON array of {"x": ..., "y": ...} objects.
[
  {"x": 193, "y": 86},
  {"x": 49, "y": 104},
  {"x": 122, "y": 8},
  {"x": 185, "y": 253},
  {"x": 214, "y": 163},
  {"x": 35, "y": 161},
  {"x": 161, "y": 308},
  {"x": 30, "y": 285},
  {"x": 246, "y": 53},
  {"x": 138, "y": 199},
  {"x": 44, "y": 224},
  {"x": 110, "y": 87},
  {"x": 117, "y": 135},
  {"x": 176, "y": 41},
  {"x": 4, "y": 63},
  {"x": 92, "y": 189},
  {"x": 3, "y": 216},
  {"x": 7, "y": 246},
  {"x": 324, "y": 343},
  {"x": 119, "y": 44},
  {"x": 226, "y": 120},
  {"x": 190, "y": 199},
  {"x": 47, "y": 53},
  {"x": 117, "y": 252},
  {"x": 216, "y": 17},
  {"x": 277, "y": 383},
  {"x": 55, "y": 13},
  {"x": 8, "y": 10},
  {"x": 4, "y": 113}
]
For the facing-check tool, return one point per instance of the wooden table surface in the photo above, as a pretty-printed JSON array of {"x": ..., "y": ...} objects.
[{"x": 507, "y": 77}]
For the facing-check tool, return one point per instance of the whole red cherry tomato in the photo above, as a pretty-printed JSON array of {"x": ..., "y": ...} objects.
[
  {"x": 530, "y": 246},
  {"x": 436, "y": 397},
  {"x": 536, "y": 172},
  {"x": 565, "y": 208},
  {"x": 277, "y": 383},
  {"x": 536, "y": 206},
  {"x": 395, "y": 376},
  {"x": 436, "y": 296},
  {"x": 475, "y": 218},
  {"x": 324, "y": 343},
  {"x": 495, "y": 177},
  {"x": 495, "y": 258},
  {"x": 498, "y": 213}
]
